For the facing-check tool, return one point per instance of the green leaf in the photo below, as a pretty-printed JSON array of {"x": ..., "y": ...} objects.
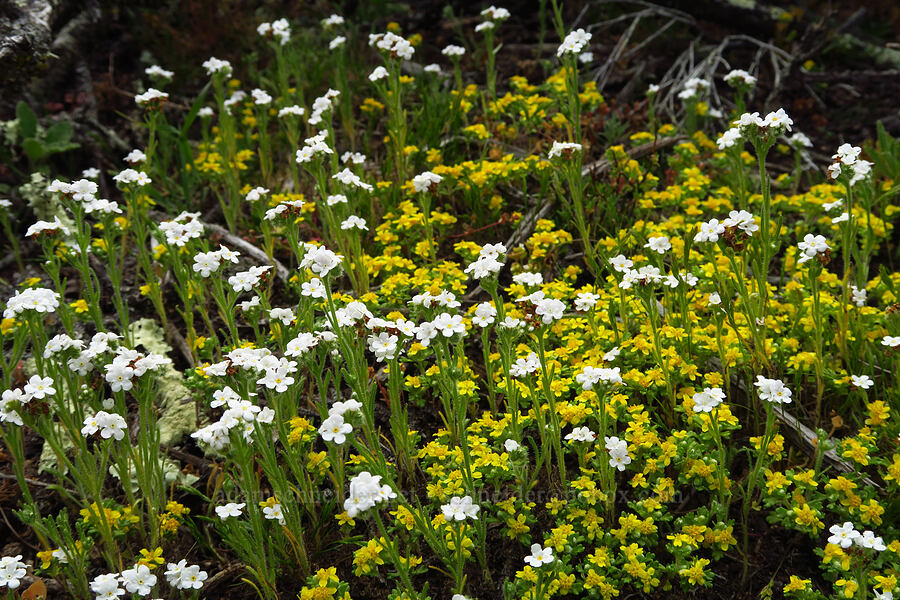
[
  {"x": 34, "y": 149},
  {"x": 59, "y": 135},
  {"x": 27, "y": 120}
]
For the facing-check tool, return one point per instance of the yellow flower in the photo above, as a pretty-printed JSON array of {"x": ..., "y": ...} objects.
[
  {"x": 695, "y": 573},
  {"x": 796, "y": 584}
]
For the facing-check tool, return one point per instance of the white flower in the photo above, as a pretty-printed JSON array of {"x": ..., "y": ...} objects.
[
  {"x": 379, "y": 73},
  {"x": 383, "y": 345},
  {"x": 320, "y": 260},
  {"x": 138, "y": 580},
  {"x": 549, "y": 309},
  {"x": 772, "y": 390},
  {"x": 574, "y": 43},
  {"x": 337, "y": 42},
  {"x": 510, "y": 445},
  {"x": 660, "y": 244},
  {"x": 365, "y": 491},
  {"x": 274, "y": 513},
  {"x": 714, "y": 299},
  {"x": 891, "y": 341},
  {"x": 495, "y": 13},
  {"x": 868, "y": 539},
  {"x": 484, "y": 315},
  {"x": 452, "y": 51},
  {"x": 106, "y": 587},
  {"x": 778, "y": 120},
  {"x": 618, "y": 453},
  {"x": 39, "y": 387},
  {"x": 742, "y": 220},
  {"x": 539, "y": 556},
  {"x": 285, "y": 315},
  {"x": 449, "y": 325},
  {"x": 620, "y": 263},
  {"x": 333, "y": 21},
  {"x": 214, "y": 66},
  {"x": 334, "y": 429},
  {"x": 737, "y": 77},
  {"x": 710, "y": 231},
  {"x": 528, "y": 279},
  {"x": 157, "y": 71},
  {"x": 843, "y": 535},
  {"x": 426, "y": 181},
  {"x": 184, "y": 577},
  {"x": 314, "y": 288},
  {"x": 109, "y": 424},
  {"x": 811, "y": 246},
  {"x": 150, "y": 96},
  {"x": 12, "y": 570},
  {"x": 708, "y": 399},
  {"x": 348, "y": 177},
  {"x": 354, "y": 222},
  {"x": 581, "y": 434},
  {"x": 563, "y": 149},
  {"x": 460, "y": 509},
  {"x": 291, "y": 111},
  {"x": 729, "y": 138}
]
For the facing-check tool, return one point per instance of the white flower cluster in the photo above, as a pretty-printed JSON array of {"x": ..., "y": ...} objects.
[
  {"x": 334, "y": 428},
  {"x": 12, "y": 570},
  {"x": 83, "y": 191},
  {"x": 126, "y": 365},
  {"x": 484, "y": 314},
  {"x": 183, "y": 228},
  {"x": 460, "y": 509},
  {"x": 293, "y": 110},
  {"x": 740, "y": 78},
  {"x": 214, "y": 66},
  {"x": 848, "y": 156},
  {"x": 581, "y": 434},
  {"x": 185, "y": 577},
  {"x": 110, "y": 425},
  {"x": 549, "y": 309},
  {"x": 261, "y": 97},
  {"x": 591, "y": 376},
  {"x": 321, "y": 105},
  {"x": 40, "y": 300},
  {"x": 313, "y": 146},
  {"x": 246, "y": 280},
  {"x": 393, "y": 44},
  {"x": 738, "y": 219},
  {"x": 320, "y": 260},
  {"x": 426, "y": 182},
  {"x": 159, "y": 72},
  {"x": 348, "y": 177},
  {"x": 280, "y": 30},
  {"x": 239, "y": 412},
  {"x": 366, "y": 490},
  {"x": 205, "y": 263},
  {"x": 772, "y": 390},
  {"x": 574, "y": 43},
  {"x": 564, "y": 149},
  {"x": 776, "y": 122},
  {"x": 49, "y": 227},
  {"x": 846, "y": 535},
  {"x": 618, "y": 453},
  {"x": 811, "y": 246},
  {"x": 129, "y": 176},
  {"x": 453, "y": 52},
  {"x": 693, "y": 88},
  {"x": 708, "y": 399},
  {"x": 135, "y": 157},
  {"x": 151, "y": 96},
  {"x": 354, "y": 222},
  {"x": 488, "y": 262}
]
